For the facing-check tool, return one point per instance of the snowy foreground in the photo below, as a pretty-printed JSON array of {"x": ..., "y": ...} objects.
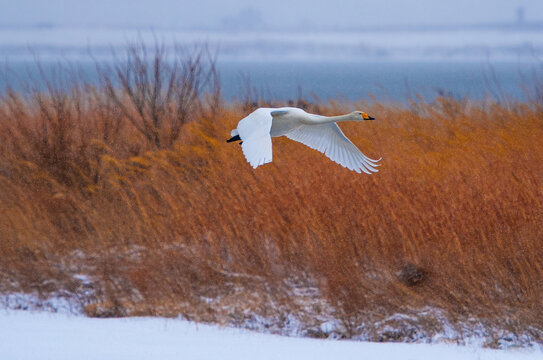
[{"x": 39, "y": 335}]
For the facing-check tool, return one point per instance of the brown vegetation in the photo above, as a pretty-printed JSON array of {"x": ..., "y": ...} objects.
[{"x": 140, "y": 192}]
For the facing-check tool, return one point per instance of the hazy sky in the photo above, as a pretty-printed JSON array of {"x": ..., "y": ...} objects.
[{"x": 274, "y": 13}]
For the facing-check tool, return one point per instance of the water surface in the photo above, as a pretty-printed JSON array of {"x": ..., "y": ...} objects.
[{"x": 386, "y": 81}]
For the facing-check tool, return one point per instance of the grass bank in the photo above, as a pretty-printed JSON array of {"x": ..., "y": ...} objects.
[{"x": 125, "y": 197}]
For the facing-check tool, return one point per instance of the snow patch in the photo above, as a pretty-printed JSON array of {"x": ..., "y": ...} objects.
[
  {"x": 21, "y": 301},
  {"x": 27, "y": 335}
]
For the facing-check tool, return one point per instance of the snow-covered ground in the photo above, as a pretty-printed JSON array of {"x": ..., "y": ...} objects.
[{"x": 42, "y": 335}]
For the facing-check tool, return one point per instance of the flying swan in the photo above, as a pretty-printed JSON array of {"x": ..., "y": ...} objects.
[{"x": 316, "y": 131}]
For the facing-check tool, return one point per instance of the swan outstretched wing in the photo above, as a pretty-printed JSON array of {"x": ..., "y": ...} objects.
[
  {"x": 330, "y": 140},
  {"x": 254, "y": 131}
]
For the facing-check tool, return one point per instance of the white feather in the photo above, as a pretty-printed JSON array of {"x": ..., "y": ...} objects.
[
  {"x": 317, "y": 132},
  {"x": 254, "y": 131},
  {"x": 330, "y": 140}
]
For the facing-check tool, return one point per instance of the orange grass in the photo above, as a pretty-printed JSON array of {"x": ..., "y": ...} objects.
[{"x": 459, "y": 198}]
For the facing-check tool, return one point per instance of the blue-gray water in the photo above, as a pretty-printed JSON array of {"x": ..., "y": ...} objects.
[{"x": 387, "y": 81}]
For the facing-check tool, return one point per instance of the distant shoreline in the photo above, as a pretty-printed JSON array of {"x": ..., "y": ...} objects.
[{"x": 520, "y": 42}]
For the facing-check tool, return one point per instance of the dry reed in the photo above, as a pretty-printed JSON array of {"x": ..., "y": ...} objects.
[{"x": 93, "y": 181}]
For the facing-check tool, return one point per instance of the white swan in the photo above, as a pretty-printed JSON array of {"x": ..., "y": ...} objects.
[{"x": 318, "y": 132}]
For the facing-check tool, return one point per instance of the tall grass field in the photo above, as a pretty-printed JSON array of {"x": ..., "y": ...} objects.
[{"x": 125, "y": 198}]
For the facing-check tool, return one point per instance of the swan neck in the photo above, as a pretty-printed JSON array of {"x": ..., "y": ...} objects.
[{"x": 333, "y": 119}]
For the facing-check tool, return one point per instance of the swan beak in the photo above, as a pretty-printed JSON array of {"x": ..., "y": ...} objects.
[{"x": 367, "y": 117}]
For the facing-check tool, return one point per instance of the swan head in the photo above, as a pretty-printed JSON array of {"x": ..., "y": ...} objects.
[{"x": 361, "y": 116}]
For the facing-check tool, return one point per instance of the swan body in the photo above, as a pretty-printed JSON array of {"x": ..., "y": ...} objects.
[{"x": 315, "y": 131}]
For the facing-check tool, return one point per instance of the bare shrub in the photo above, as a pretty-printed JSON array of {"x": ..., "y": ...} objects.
[{"x": 159, "y": 94}]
